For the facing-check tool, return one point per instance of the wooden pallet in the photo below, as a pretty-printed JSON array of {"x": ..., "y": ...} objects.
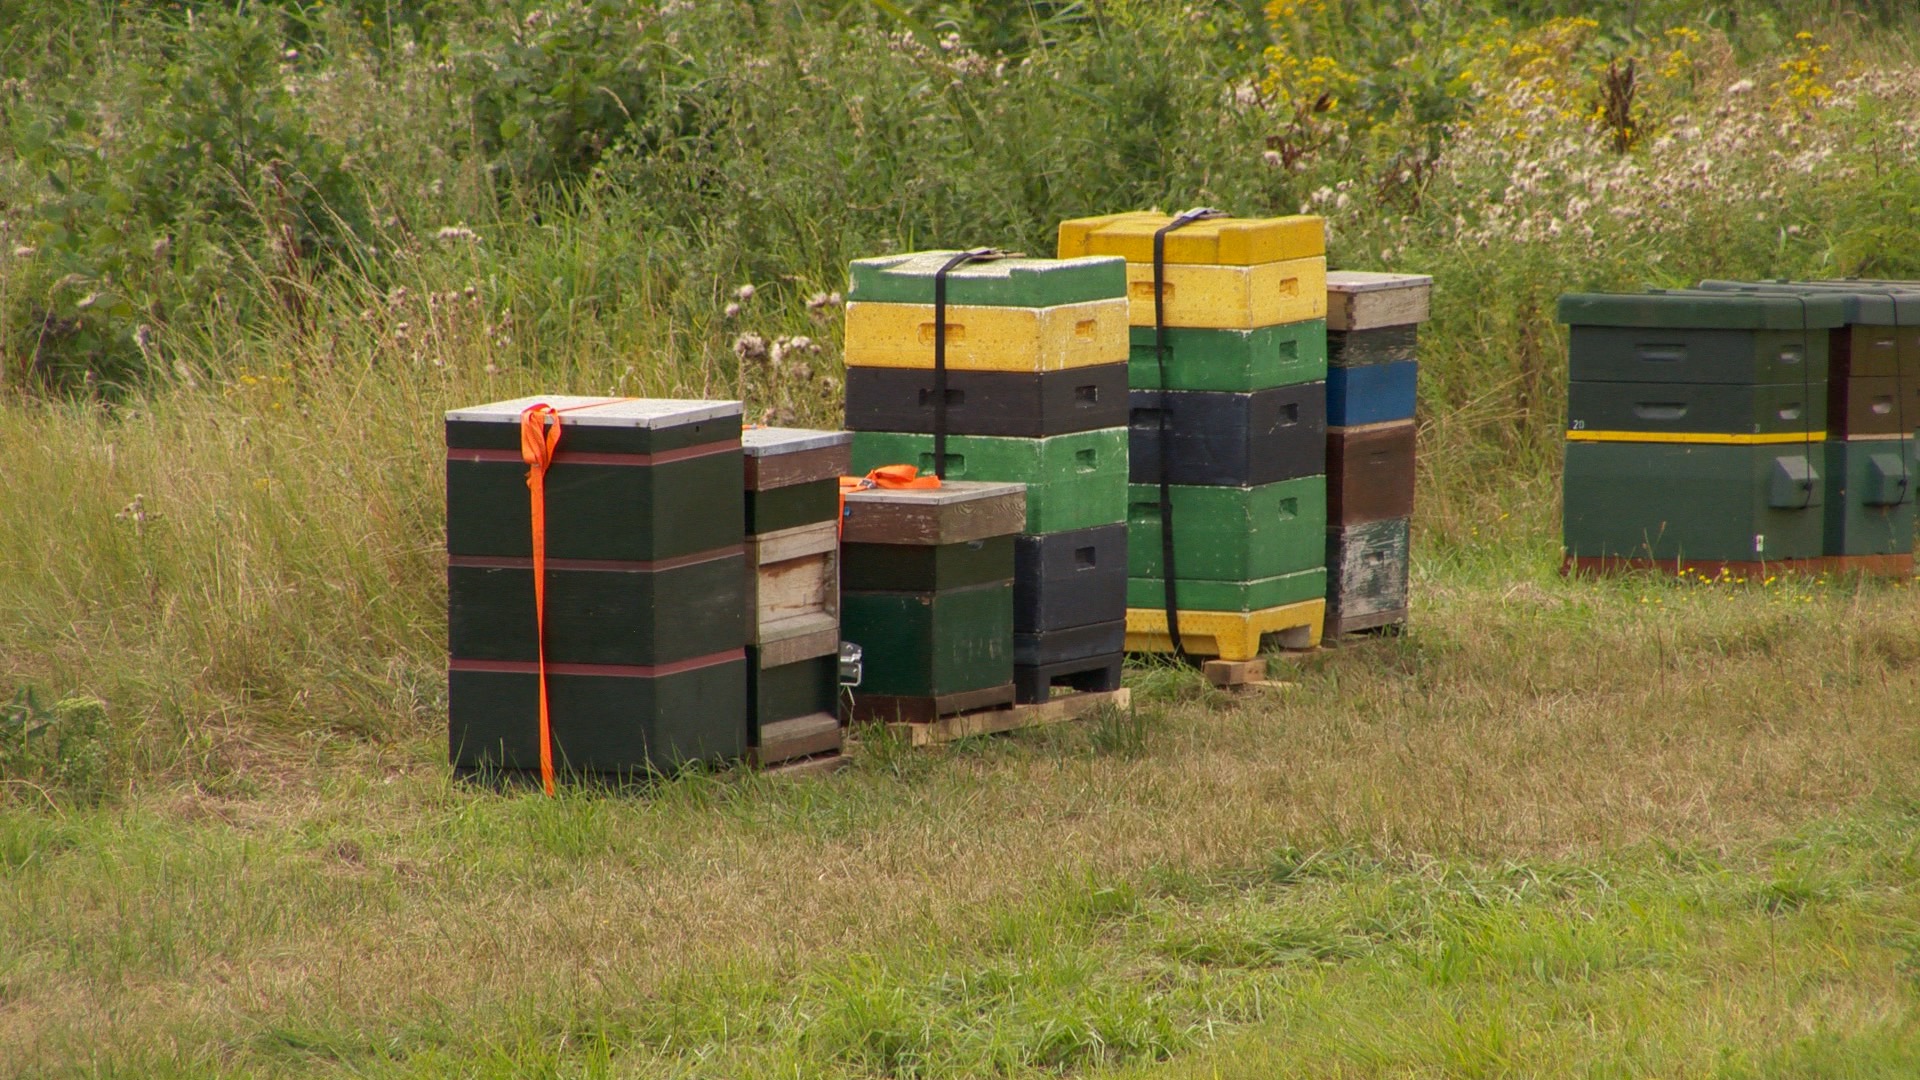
[
  {"x": 1063, "y": 707},
  {"x": 818, "y": 765}
]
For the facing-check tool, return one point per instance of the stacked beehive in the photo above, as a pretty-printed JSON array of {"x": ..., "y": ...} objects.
[
  {"x": 927, "y": 594},
  {"x": 1873, "y": 411},
  {"x": 1695, "y": 429},
  {"x": 1227, "y": 510},
  {"x": 1031, "y": 389},
  {"x": 793, "y": 599},
  {"x": 1373, "y": 333},
  {"x": 645, "y": 582}
]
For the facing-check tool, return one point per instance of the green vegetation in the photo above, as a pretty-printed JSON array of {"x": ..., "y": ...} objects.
[{"x": 249, "y": 252}]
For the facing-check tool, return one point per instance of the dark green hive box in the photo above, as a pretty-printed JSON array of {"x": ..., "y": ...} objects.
[
  {"x": 926, "y": 567},
  {"x": 1230, "y": 533},
  {"x": 1073, "y": 481},
  {"x": 1698, "y": 336},
  {"x": 1693, "y": 501},
  {"x": 932, "y": 644},
  {"x": 597, "y": 614},
  {"x": 604, "y": 721},
  {"x": 1200, "y": 594},
  {"x": 637, "y": 480},
  {"x": 1680, "y": 407},
  {"x": 1236, "y": 361},
  {"x": 1882, "y": 335},
  {"x": 1870, "y": 496},
  {"x": 791, "y": 690},
  {"x": 1021, "y": 282}
]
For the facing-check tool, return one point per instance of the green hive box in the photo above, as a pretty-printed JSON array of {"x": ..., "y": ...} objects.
[
  {"x": 1021, "y": 282},
  {"x": 1230, "y": 533},
  {"x": 1693, "y": 501},
  {"x": 1870, "y": 496},
  {"x": 1882, "y": 335},
  {"x": 1073, "y": 481},
  {"x": 1698, "y": 337},
  {"x": 1237, "y": 361},
  {"x": 1199, "y": 594},
  {"x": 1794, "y": 408},
  {"x": 932, "y": 644}
]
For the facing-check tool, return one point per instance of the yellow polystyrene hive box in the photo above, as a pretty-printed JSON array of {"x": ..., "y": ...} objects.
[
  {"x": 1231, "y": 297},
  {"x": 989, "y": 338},
  {"x": 1221, "y": 241},
  {"x": 1229, "y": 635}
]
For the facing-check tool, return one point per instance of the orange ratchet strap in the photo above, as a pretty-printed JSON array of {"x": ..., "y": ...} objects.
[{"x": 886, "y": 476}]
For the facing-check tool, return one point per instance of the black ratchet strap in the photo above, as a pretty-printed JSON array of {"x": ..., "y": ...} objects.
[
  {"x": 1167, "y": 576},
  {"x": 959, "y": 258}
]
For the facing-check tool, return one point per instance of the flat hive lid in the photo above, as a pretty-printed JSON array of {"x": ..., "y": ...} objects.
[
  {"x": 1222, "y": 241},
  {"x": 1696, "y": 309},
  {"x": 955, "y": 512},
  {"x": 583, "y": 411},
  {"x": 1366, "y": 281},
  {"x": 1018, "y": 282},
  {"x": 1863, "y": 303},
  {"x": 773, "y": 441}
]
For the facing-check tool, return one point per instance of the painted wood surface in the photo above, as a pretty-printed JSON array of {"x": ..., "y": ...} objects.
[
  {"x": 603, "y": 720},
  {"x": 1381, "y": 345},
  {"x": 1374, "y": 394},
  {"x": 1233, "y": 361},
  {"x": 1694, "y": 309},
  {"x": 596, "y": 511},
  {"x": 1072, "y": 481},
  {"x": 1229, "y": 635},
  {"x": 794, "y": 592},
  {"x": 988, "y": 338},
  {"x": 1675, "y": 500},
  {"x": 1874, "y": 406},
  {"x": 955, "y": 512},
  {"x": 794, "y": 505},
  {"x": 797, "y": 738},
  {"x": 1230, "y": 297},
  {"x": 1370, "y": 472},
  {"x": 600, "y": 424},
  {"x": 1367, "y": 569},
  {"x": 810, "y": 687},
  {"x": 1033, "y": 684},
  {"x": 927, "y": 567},
  {"x": 598, "y": 613},
  {"x": 1073, "y": 643},
  {"x": 1898, "y": 566},
  {"x": 1201, "y": 594},
  {"x": 777, "y": 457},
  {"x": 1013, "y": 403},
  {"x": 1229, "y": 241},
  {"x": 1366, "y": 300},
  {"x": 1667, "y": 407},
  {"x": 915, "y": 711},
  {"x": 1870, "y": 496},
  {"x": 1017, "y": 282},
  {"x": 932, "y": 644},
  {"x": 1683, "y": 354},
  {"x": 1229, "y": 533},
  {"x": 1071, "y": 578},
  {"x": 1242, "y": 440}
]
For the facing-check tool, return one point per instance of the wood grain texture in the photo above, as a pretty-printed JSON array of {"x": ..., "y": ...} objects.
[
  {"x": 989, "y": 719},
  {"x": 799, "y": 737},
  {"x": 766, "y": 472},
  {"x": 1370, "y": 472},
  {"x": 892, "y": 709},
  {"x": 795, "y": 640},
  {"x": 1367, "y": 568},
  {"x": 793, "y": 593},
  {"x": 1360, "y": 300},
  {"x": 953, "y": 513},
  {"x": 793, "y": 543}
]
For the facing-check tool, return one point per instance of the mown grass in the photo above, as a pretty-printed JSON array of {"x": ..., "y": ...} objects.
[
  {"x": 1554, "y": 831},
  {"x": 1562, "y": 828}
]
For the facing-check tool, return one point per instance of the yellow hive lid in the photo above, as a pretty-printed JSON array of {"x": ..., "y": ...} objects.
[{"x": 1221, "y": 241}]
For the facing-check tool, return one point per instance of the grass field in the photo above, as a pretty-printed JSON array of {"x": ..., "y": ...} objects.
[{"x": 248, "y": 255}]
